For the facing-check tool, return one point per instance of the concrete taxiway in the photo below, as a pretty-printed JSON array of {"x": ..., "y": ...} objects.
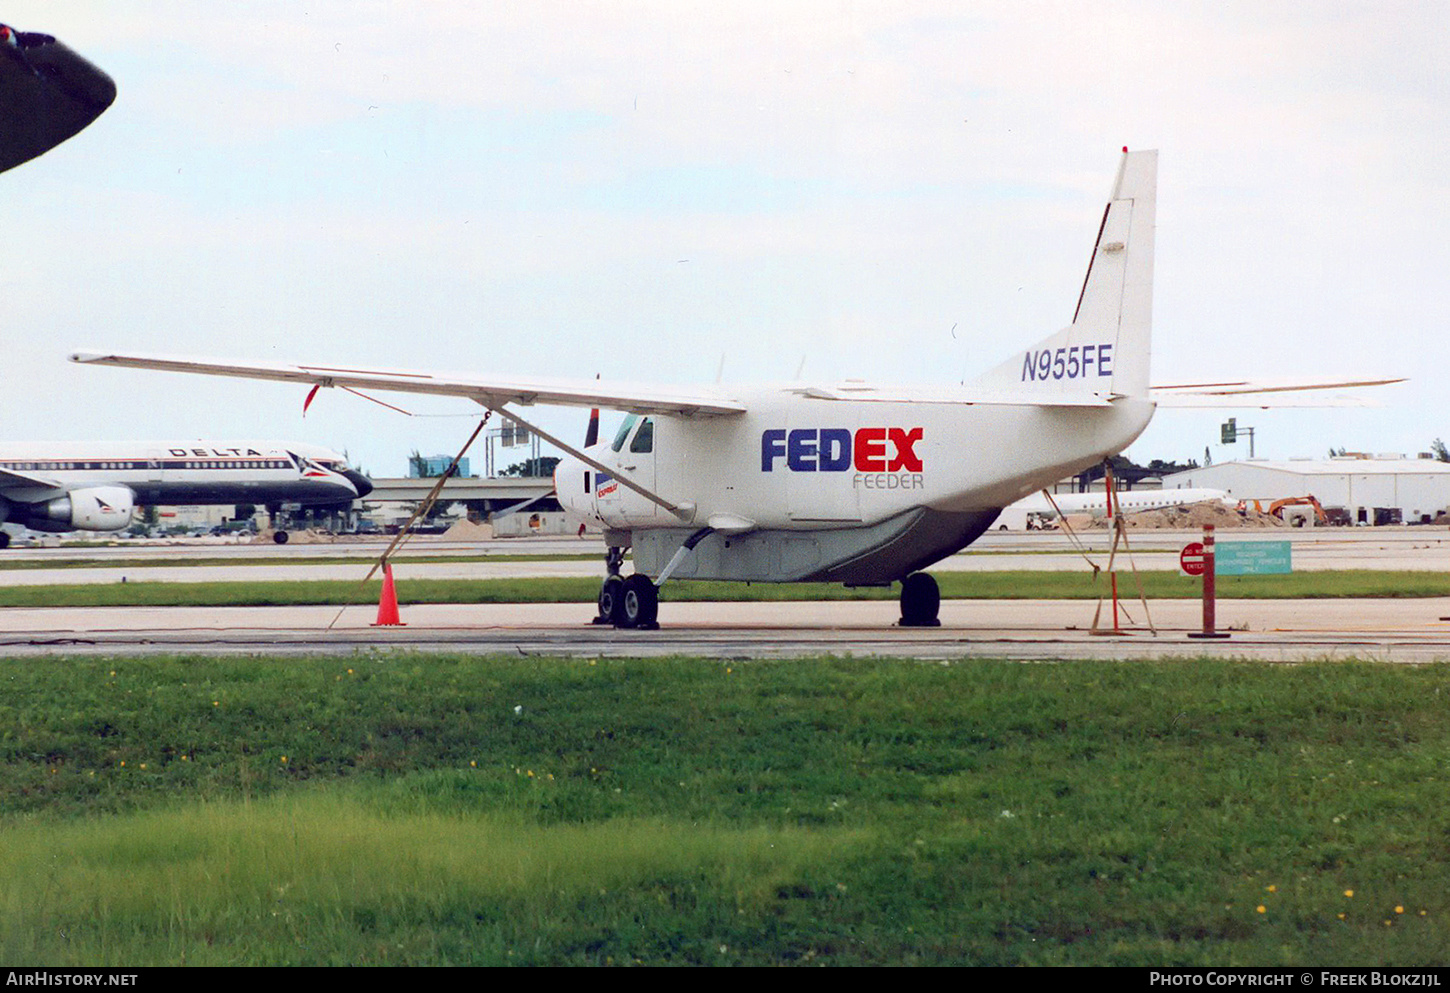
[
  {"x": 1408, "y": 631},
  {"x": 202, "y": 560},
  {"x": 1405, "y": 630}
]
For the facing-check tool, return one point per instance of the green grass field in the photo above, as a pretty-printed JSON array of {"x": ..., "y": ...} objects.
[
  {"x": 1025, "y": 584},
  {"x": 80, "y": 561},
  {"x": 463, "y": 810}
]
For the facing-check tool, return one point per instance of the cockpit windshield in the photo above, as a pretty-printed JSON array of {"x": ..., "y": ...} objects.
[
  {"x": 644, "y": 441},
  {"x": 623, "y": 432}
]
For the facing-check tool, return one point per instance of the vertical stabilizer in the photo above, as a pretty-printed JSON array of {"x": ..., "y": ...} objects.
[{"x": 1107, "y": 348}]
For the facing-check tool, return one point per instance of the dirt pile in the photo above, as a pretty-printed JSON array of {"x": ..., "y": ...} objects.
[
  {"x": 466, "y": 530},
  {"x": 1195, "y": 515}
]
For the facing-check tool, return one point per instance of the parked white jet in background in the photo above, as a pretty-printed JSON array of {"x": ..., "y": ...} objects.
[
  {"x": 95, "y": 486},
  {"x": 1015, "y": 517},
  {"x": 857, "y": 483}
]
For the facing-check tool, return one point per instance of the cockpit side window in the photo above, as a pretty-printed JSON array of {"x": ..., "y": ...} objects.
[
  {"x": 644, "y": 440},
  {"x": 623, "y": 432}
]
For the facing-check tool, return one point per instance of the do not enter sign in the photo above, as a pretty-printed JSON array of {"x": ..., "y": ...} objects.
[{"x": 1190, "y": 560}]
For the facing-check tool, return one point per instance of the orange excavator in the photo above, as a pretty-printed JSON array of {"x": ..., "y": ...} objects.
[{"x": 1276, "y": 508}]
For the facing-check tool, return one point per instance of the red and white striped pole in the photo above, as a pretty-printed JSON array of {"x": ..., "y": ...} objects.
[
  {"x": 1210, "y": 591},
  {"x": 1113, "y": 509}
]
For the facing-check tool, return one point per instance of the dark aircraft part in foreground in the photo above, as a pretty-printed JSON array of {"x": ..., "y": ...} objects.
[
  {"x": 363, "y": 483},
  {"x": 47, "y": 94}
]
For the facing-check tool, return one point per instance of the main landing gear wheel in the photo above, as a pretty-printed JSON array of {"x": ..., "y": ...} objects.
[
  {"x": 920, "y": 601},
  {"x": 280, "y": 537},
  {"x": 640, "y": 605},
  {"x": 611, "y": 601},
  {"x": 632, "y": 602}
]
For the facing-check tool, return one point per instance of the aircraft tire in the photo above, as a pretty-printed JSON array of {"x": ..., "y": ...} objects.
[
  {"x": 4, "y": 539},
  {"x": 640, "y": 605},
  {"x": 611, "y": 601},
  {"x": 280, "y": 537},
  {"x": 920, "y": 601}
]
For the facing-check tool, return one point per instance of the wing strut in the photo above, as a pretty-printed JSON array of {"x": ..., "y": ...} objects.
[{"x": 596, "y": 465}]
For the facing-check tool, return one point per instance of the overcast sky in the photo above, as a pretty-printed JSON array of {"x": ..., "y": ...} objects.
[{"x": 907, "y": 191}]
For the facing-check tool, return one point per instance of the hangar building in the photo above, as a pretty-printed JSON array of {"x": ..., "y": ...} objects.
[{"x": 1380, "y": 489}]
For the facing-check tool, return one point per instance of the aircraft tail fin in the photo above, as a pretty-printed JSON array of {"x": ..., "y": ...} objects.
[{"x": 1107, "y": 348}]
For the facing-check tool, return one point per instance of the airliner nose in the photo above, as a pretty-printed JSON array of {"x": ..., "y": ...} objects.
[{"x": 363, "y": 484}]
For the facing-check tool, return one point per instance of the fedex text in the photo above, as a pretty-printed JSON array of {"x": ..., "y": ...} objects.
[
  {"x": 1072, "y": 362},
  {"x": 869, "y": 450},
  {"x": 837, "y": 450}
]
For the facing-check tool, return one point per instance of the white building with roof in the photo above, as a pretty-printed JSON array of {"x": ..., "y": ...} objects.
[{"x": 1378, "y": 489}]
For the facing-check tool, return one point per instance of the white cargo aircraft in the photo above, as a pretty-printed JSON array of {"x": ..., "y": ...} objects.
[
  {"x": 858, "y": 483},
  {"x": 95, "y": 486}
]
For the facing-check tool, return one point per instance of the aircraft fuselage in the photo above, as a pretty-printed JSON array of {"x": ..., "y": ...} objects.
[
  {"x": 799, "y": 487},
  {"x": 94, "y": 485}
]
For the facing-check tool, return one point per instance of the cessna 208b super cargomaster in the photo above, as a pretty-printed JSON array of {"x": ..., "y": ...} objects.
[
  {"x": 856, "y": 483},
  {"x": 95, "y": 486}
]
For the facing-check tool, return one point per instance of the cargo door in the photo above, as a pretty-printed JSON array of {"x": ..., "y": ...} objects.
[{"x": 820, "y": 477}]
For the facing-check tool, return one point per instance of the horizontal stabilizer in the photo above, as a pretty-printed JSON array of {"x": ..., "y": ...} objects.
[
  {"x": 967, "y": 394},
  {"x": 1266, "y": 393}
]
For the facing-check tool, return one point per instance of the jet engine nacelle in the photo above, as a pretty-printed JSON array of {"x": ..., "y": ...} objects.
[{"x": 90, "y": 508}]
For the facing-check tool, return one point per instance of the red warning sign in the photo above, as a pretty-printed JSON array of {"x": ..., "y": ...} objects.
[{"x": 1190, "y": 560}]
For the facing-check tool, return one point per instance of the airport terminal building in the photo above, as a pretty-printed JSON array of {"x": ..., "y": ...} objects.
[{"x": 1379, "y": 489}]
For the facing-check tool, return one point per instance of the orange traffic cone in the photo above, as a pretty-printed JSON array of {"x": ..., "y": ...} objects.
[{"x": 388, "y": 603}]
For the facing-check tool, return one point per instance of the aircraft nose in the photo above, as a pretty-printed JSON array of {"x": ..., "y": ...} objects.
[
  {"x": 569, "y": 483},
  {"x": 363, "y": 484}
]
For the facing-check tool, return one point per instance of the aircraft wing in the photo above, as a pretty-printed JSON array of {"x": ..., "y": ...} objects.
[
  {"x": 12, "y": 480},
  {"x": 637, "y": 398},
  {"x": 488, "y": 391},
  {"x": 1275, "y": 393}
]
